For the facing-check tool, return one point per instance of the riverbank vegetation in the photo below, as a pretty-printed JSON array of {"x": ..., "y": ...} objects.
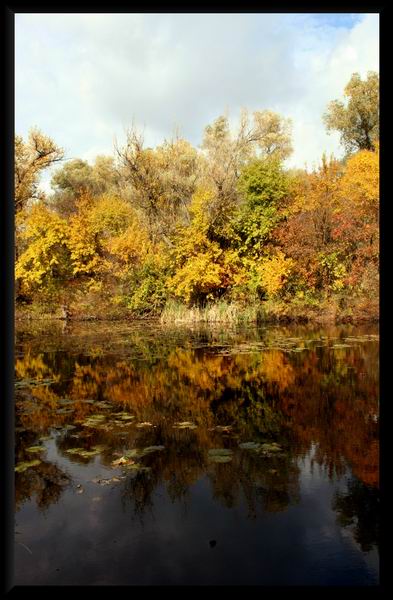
[{"x": 222, "y": 232}]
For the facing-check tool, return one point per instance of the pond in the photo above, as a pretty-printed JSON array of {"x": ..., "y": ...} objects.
[{"x": 193, "y": 456}]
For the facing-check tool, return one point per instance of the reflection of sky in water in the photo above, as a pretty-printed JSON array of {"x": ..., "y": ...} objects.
[{"x": 257, "y": 519}]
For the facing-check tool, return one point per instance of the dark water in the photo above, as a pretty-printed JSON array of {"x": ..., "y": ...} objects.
[{"x": 190, "y": 503}]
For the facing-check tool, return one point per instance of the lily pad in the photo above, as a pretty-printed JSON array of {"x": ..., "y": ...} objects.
[
  {"x": 89, "y": 453},
  {"x": 23, "y": 466},
  {"x": 185, "y": 425},
  {"x": 103, "y": 404},
  {"x": 36, "y": 449},
  {"x": 101, "y": 481},
  {"x": 99, "y": 448},
  {"x": 220, "y": 452},
  {"x": 136, "y": 467},
  {"x": 220, "y": 455},
  {"x": 220, "y": 458},
  {"x": 341, "y": 346},
  {"x": 75, "y": 450},
  {"x": 151, "y": 449},
  {"x": 122, "y": 461},
  {"x": 134, "y": 453},
  {"x": 250, "y": 446},
  {"x": 273, "y": 447}
]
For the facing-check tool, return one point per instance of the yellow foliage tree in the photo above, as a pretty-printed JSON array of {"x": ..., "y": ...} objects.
[
  {"x": 46, "y": 257},
  {"x": 360, "y": 182},
  {"x": 203, "y": 269},
  {"x": 273, "y": 271}
]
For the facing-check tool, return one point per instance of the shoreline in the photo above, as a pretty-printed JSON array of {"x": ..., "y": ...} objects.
[{"x": 321, "y": 319}]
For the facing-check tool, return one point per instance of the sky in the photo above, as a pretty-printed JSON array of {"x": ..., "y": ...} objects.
[{"x": 83, "y": 79}]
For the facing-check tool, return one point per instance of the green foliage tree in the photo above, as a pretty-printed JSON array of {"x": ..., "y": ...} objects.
[{"x": 358, "y": 119}]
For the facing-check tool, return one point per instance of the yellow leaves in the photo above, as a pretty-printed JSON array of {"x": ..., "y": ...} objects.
[
  {"x": 360, "y": 182},
  {"x": 199, "y": 209},
  {"x": 200, "y": 273},
  {"x": 130, "y": 246},
  {"x": 110, "y": 215},
  {"x": 46, "y": 235},
  {"x": 273, "y": 271}
]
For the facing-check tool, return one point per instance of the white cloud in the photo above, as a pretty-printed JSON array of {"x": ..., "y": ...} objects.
[{"x": 83, "y": 78}]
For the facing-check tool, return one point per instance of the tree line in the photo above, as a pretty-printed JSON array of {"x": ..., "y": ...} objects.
[{"x": 226, "y": 222}]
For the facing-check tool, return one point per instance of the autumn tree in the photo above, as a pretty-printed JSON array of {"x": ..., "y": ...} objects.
[
  {"x": 357, "y": 119},
  {"x": 77, "y": 177},
  {"x": 356, "y": 221},
  {"x": 31, "y": 159},
  {"x": 226, "y": 153},
  {"x": 306, "y": 233},
  {"x": 45, "y": 263},
  {"x": 161, "y": 181}
]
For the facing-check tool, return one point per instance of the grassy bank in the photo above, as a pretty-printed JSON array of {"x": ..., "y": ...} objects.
[{"x": 322, "y": 310}]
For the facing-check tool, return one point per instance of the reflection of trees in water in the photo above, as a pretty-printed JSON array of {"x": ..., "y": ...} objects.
[
  {"x": 46, "y": 483},
  {"x": 312, "y": 397},
  {"x": 358, "y": 508}
]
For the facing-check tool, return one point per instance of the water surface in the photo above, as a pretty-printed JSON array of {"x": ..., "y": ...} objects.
[{"x": 147, "y": 455}]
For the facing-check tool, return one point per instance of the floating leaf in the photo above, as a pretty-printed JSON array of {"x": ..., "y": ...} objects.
[
  {"x": 250, "y": 446},
  {"x": 220, "y": 455},
  {"x": 150, "y": 449},
  {"x": 99, "y": 448},
  {"x": 36, "y": 449},
  {"x": 89, "y": 453},
  {"x": 273, "y": 447},
  {"x": 145, "y": 424},
  {"x": 185, "y": 425},
  {"x": 22, "y": 466},
  {"x": 74, "y": 450},
  {"x": 136, "y": 467},
  {"x": 341, "y": 346},
  {"x": 103, "y": 404},
  {"x": 122, "y": 461},
  {"x": 102, "y": 481},
  {"x": 220, "y": 458}
]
